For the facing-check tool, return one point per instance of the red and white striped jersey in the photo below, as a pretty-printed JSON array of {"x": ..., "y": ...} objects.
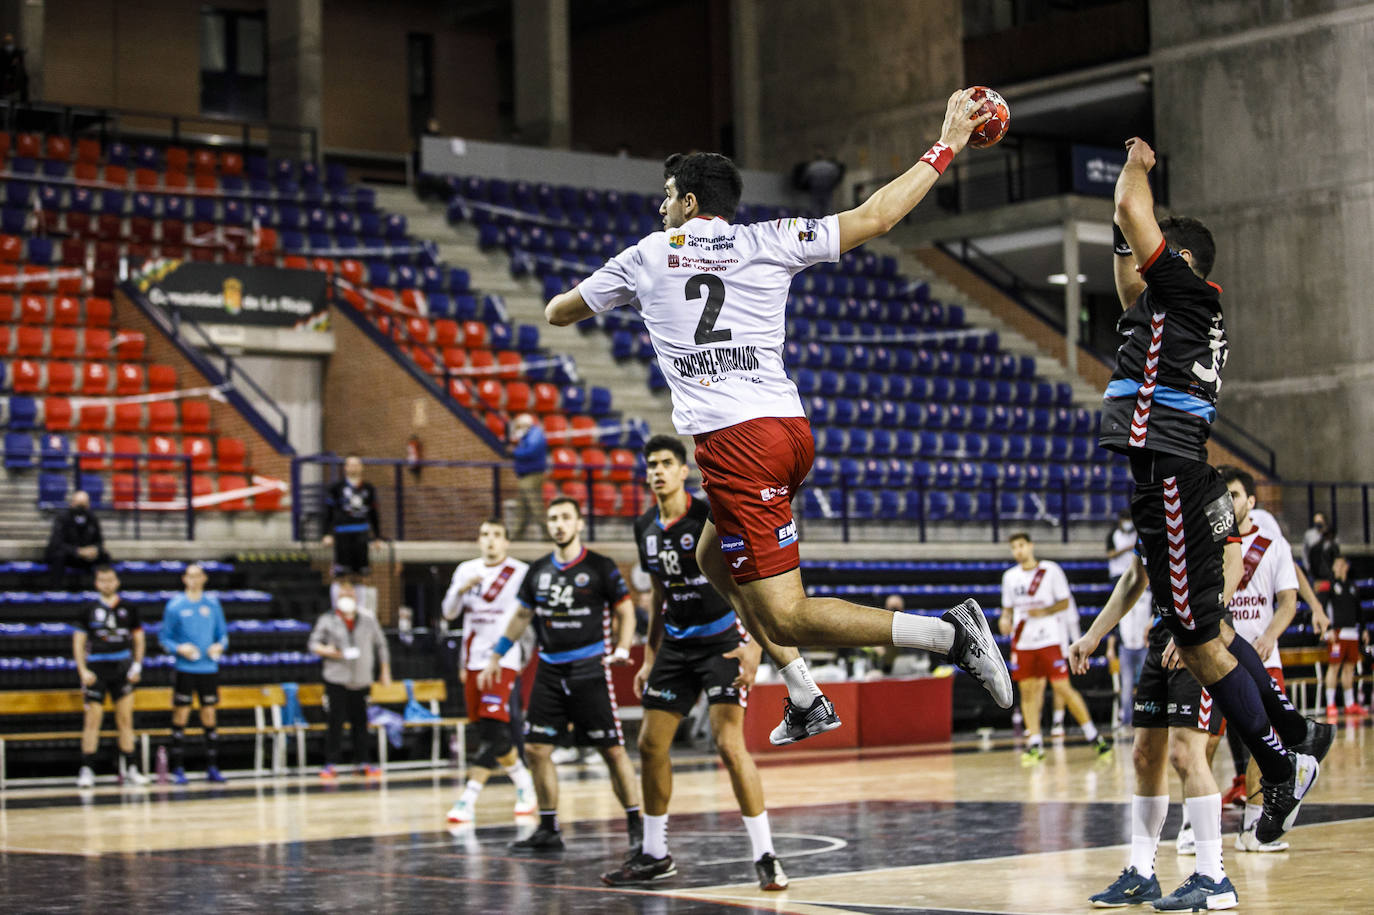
[
  {"x": 713, "y": 296},
  {"x": 1024, "y": 590},
  {"x": 1268, "y": 569},
  {"x": 486, "y": 608}
]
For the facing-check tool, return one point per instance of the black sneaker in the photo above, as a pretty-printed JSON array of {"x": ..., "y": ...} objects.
[
  {"x": 976, "y": 652},
  {"x": 1282, "y": 799},
  {"x": 799, "y": 724},
  {"x": 541, "y": 839},
  {"x": 636, "y": 833},
  {"x": 769, "y": 869},
  {"x": 1318, "y": 740},
  {"x": 1100, "y": 746},
  {"x": 641, "y": 869}
]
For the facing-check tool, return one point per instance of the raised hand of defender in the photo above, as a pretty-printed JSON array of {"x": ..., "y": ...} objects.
[
  {"x": 1080, "y": 652},
  {"x": 1140, "y": 153},
  {"x": 960, "y": 120},
  {"x": 747, "y": 653}
]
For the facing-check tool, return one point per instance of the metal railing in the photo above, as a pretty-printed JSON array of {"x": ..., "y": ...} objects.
[
  {"x": 141, "y": 470},
  {"x": 1345, "y": 504}
]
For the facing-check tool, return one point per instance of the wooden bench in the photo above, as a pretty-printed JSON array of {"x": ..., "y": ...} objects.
[
  {"x": 1314, "y": 656},
  {"x": 264, "y": 701}
]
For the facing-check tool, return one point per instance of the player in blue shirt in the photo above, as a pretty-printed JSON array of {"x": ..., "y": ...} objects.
[{"x": 194, "y": 630}]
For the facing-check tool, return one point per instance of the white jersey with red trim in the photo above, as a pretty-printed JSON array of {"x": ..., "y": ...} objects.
[
  {"x": 1023, "y": 590},
  {"x": 713, "y": 296},
  {"x": 487, "y": 608},
  {"x": 1268, "y": 569}
]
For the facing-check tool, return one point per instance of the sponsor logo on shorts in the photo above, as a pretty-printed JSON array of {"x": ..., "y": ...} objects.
[
  {"x": 582, "y": 580},
  {"x": 729, "y": 543},
  {"x": 544, "y": 729},
  {"x": 672, "y": 260},
  {"x": 1149, "y": 708},
  {"x": 597, "y": 735},
  {"x": 1181, "y": 708},
  {"x": 493, "y": 697},
  {"x": 787, "y": 534},
  {"x": 770, "y": 493},
  {"x": 667, "y": 695},
  {"x": 688, "y": 541},
  {"x": 493, "y": 708},
  {"x": 739, "y": 561},
  {"x": 677, "y": 240}
]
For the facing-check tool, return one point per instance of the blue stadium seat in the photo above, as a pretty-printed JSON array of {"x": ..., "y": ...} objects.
[
  {"x": 829, "y": 383},
  {"x": 956, "y": 417},
  {"x": 23, "y": 415},
  {"x": 599, "y": 402},
  {"x": 93, "y": 484},
  {"x": 574, "y": 399},
  {"x": 56, "y": 452},
  {"x": 18, "y": 450},
  {"x": 994, "y": 445},
  {"x": 882, "y": 443},
  {"x": 1038, "y": 447},
  {"x": 1013, "y": 475},
  {"x": 860, "y": 442},
  {"x": 820, "y": 410},
  {"x": 842, "y": 413},
  {"x": 832, "y": 440},
  {"x": 823, "y": 471},
  {"x": 863, "y": 504},
  {"x": 52, "y": 489},
  {"x": 851, "y": 472}
]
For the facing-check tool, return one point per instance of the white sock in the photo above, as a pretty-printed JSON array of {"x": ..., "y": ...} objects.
[
  {"x": 1331, "y": 696},
  {"x": 1147, "y": 821},
  {"x": 1206, "y": 816},
  {"x": 1186, "y": 822},
  {"x": 471, "y": 790},
  {"x": 912, "y": 631},
  {"x": 800, "y": 687},
  {"x": 520, "y": 775},
  {"x": 760, "y": 835},
  {"x": 1089, "y": 729},
  {"x": 655, "y": 835},
  {"x": 1059, "y": 718},
  {"x": 1036, "y": 740},
  {"x": 1252, "y": 815}
]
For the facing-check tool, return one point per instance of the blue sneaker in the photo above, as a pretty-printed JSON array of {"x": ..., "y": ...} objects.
[
  {"x": 1200, "y": 894},
  {"x": 179, "y": 776},
  {"x": 213, "y": 774},
  {"x": 1129, "y": 889}
]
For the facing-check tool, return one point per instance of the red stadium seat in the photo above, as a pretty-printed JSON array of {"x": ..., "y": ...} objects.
[
  {"x": 26, "y": 376},
  {"x": 518, "y": 397},
  {"x": 445, "y": 333},
  {"x": 178, "y": 158},
  {"x": 197, "y": 448},
  {"x": 146, "y": 179},
  {"x": 555, "y": 425},
  {"x": 162, "y": 446},
  {"x": 496, "y": 425},
  {"x": 492, "y": 393},
  {"x": 545, "y": 397},
  {"x": 622, "y": 465},
  {"x": 161, "y": 378},
  {"x": 92, "y": 445},
  {"x": 474, "y": 334},
  {"x": 98, "y": 312},
  {"x": 550, "y": 492},
  {"x": 424, "y": 357},
  {"x": 162, "y": 487},
  {"x": 563, "y": 463},
  {"x": 106, "y": 255},
  {"x": 459, "y": 390},
  {"x": 61, "y": 378},
  {"x": 33, "y": 309},
  {"x": 229, "y": 483},
  {"x": 295, "y": 262},
  {"x": 605, "y": 499},
  {"x": 511, "y": 363},
  {"x": 88, "y": 150},
  {"x": 9, "y": 309},
  {"x": 124, "y": 487},
  {"x": 594, "y": 459},
  {"x": 116, "y": 174},
  {"x": 11, "y": 249},
  {"x": 125, "y": 444},
  {"x": 128, "y": 417},
  {"x": 454, "y": 357},
  {"x": 66, "y": 311},
  {"x": 38, "y": 278},
  {"x": 481, "y": 359},
  {"x": 129, "y": 379},
  {"x": 59, "y": 148},
  {"x": 202, "y": 486},
  {"x": 162, "y": 416},
  {"x": 28, "y": 145},
  {"x": 93, "y": 417},
  {"x": 130, "y": 344},
  {"x": 6, "y": 340},
  {"x": 633, "y": 500},
  {"x": 176, "y": 181},
  {"x": 268, "y": 501},
  {"x": 86, "y": 171},
  {"x": 30, "y": 342},
  {"x": 173, "y": 232},
  {"x": 195, "y": 417},
  {"x": 413, "y": 300},
  {"x": 203, "y": 161},
  {"x": 232, "y": 454},
  {"x": 95, "y": 343},
  {"x": 95, "y": 379},
  {"x": 231, "y": 163},
  {"x": 322, "y": 265},
  {"x": 9, "y": 278},
  {"x": 353, "y": 271},
  {"x": 577, "y": 491},
  {"x": 584, "y": 431},
  {"x": 57, "y": 414}
]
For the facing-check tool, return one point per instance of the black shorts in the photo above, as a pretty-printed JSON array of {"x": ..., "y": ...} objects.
[
  {"x": 351, "y": 554},
  {"x": 588, "y": 703},
  {"x": 1184, "y": 521},
  {"x": 110, "y": 677},
  {"x": 683, "y": 668},
  {"x": 185, "y": 684},
  {"x": 1171, "y": 698}
]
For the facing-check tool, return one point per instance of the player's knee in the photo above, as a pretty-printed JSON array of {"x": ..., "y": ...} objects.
[
  {"x": 538, "y": 752},
  {"x": 653, "y": 745},
  {"x": 1145, "y": 757},
  {"x": 1183, "y": 758},
  {"x": 730, "y": 747}
]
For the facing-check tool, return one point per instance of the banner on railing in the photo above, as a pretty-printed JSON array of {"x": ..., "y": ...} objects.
[
  {"x": 237, "y": 293},
  {"x": 1095, "y": 169}
]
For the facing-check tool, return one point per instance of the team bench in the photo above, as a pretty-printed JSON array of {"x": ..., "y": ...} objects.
[
  {"x": 1315, "y": 657},
  {"x": 267, "y": 702}
]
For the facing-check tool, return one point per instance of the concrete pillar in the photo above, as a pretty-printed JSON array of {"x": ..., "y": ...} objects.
[
  {"x": 295, "y": 74},
  {"x": 1073, "y": 296},
  {"x": 543, "y": 93},
  {"x": 744, "y": 64}
]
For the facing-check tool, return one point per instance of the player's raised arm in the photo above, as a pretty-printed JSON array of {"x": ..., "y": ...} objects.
[
  {"x": 567, "y": 308},
  {"x": 1124, "y": 596},
  {"x": 890, "y": 203},
  {"x": 1135, "y": 218}
]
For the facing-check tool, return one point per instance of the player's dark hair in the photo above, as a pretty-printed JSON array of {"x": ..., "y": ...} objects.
[
  {"x": 499, "y": 522},
  {"x": 1123, "y": 515},
  {"x": 667, "y": 443},
  {"x": 103, "y": 567},
  {"x": 1229, "y": 472},
  {"x": 1182, "y": 232},
  {"x": 566, "y": 500},
  {"x": 713, "y": 178},
  {"x": 1020, "y": 535}
]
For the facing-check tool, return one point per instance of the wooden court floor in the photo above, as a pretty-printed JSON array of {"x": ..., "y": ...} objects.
[{"x": 956, "y": 828}]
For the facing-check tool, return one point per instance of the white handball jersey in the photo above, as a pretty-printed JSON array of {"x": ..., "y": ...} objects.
[
  {"x": 1134, "y": 628},
  {"x": 487, "y": 608},
  {"x": 713, "y": 296},
  {"x": 1034, "y": 589},
  {"x": 1268, "y": 569}
]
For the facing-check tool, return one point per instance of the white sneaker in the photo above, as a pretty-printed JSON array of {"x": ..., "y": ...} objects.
[
  {"x": 462, "y": 811},
  {"x": 85, "y": 778},
  {"x": 1247, "y": 841},
  {"x": 134, "y": 777},
  {"x": 975, "y": 651},
  {"x": 562, "y": 756},
  {"x": 1057, "y": 731},
  {"x": 526, "y": 804},
  {"x": 1186, "y": 843}
]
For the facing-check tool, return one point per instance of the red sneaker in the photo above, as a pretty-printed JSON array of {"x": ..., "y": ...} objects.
[
  {"x": 328, "y": 774},
  {"x": 1355, "y": 710},
  {"x": 1333, "y": 711},
  {"x": 1235, "y": 795}
]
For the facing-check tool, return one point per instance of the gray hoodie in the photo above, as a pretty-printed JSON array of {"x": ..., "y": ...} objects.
[{"x": 331, "y": 630}]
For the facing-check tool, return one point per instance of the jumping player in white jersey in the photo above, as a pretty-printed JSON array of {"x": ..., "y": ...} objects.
[
  {"x": 713, "y": 296},
  {"x": 484, "y": 592}
]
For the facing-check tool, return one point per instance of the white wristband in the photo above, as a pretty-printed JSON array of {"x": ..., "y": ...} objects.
[
  {"x": 135, "y": 669},
  {"x": 620, "y": 654}
]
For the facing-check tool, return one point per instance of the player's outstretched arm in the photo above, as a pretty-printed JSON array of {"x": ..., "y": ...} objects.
[
  {"x": 567, "y": 308},
  {"x": 1127, "y": 591},
  {"x": 890, "y": 203}
]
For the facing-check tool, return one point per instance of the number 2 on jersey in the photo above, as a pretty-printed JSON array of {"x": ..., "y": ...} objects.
[{"x": 713, "y": 287}]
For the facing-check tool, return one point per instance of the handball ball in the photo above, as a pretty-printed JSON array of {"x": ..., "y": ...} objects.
[{"x": 987, "y": 101}]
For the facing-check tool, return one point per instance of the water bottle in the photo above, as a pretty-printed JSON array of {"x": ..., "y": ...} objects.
[
  {"x": 453, "y": 749},
  {"x": 162, "y": 769}
]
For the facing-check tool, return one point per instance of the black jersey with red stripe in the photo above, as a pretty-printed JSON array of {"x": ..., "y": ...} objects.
[
  {"x": 1163, "y": 393},
  {"x": 692, "y": 608}
]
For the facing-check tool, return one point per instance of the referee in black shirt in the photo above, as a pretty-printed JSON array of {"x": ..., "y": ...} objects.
[
  {"x": 1158, "y": 411},
  {"x": 351, "y": 521}
]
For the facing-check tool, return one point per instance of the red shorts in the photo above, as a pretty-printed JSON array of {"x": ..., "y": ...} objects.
[
  {"x": 751, "y": 472},
  {"x": 493, "y": 703},
  {"x": 1345, "y": 651},
  {"x": 1276, "y": 674},
  {"x": 1048, "y": 663}
]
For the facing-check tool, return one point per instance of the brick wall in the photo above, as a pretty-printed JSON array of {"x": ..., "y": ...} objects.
[{"x": 224, "y": 419}]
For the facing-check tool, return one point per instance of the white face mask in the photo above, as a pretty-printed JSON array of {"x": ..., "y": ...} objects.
[
  {"x": 1128, "y": 526},
  {"x": 347, "y": 605}
]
